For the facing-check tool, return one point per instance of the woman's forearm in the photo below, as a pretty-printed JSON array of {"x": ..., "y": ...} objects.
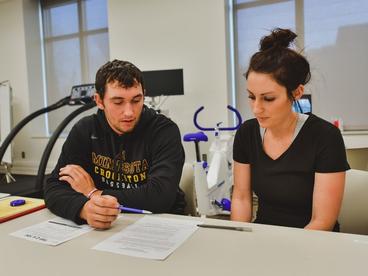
[{"x": 241, "y": 210}]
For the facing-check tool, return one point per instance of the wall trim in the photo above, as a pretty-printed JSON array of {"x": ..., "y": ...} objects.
[{"x": 28, "y": 167}]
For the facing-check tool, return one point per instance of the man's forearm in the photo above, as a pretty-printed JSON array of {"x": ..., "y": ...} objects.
[{"x": 64, "y": 201}]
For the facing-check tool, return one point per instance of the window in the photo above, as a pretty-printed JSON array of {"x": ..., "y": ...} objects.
[
  {"x": 254, "y": 19},
  {"x": 333, "y": 34},
  {"x": 75, "y": 45},
  {"x": 336, "y": 37}
]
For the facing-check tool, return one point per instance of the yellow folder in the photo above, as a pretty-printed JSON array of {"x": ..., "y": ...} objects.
[{"x": 8, "y": 212}]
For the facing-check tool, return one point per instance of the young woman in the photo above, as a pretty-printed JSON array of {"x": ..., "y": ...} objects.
[{"x": 295, "y": 163}]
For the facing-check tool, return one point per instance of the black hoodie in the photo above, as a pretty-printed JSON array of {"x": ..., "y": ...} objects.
[{"x": 142, "y": 169}]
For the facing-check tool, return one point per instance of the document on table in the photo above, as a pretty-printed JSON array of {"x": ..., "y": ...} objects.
[
  {"x": 2, "y": 195},
  {"x": 52, "y": 232},
  {"x": 150, "y": 237}
]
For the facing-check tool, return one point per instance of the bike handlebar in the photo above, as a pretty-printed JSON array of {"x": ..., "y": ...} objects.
[{"x": 238, "y": 116}]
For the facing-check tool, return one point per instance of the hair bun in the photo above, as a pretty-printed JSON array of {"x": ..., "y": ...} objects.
[{"x": 278, "y": 38}]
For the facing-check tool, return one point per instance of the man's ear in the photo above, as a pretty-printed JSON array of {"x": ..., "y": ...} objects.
[
  {"x": 99, "y": 101},
  {"x": 298, "y": 92}
]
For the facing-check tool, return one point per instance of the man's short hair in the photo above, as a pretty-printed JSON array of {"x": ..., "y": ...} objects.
[{"x": 123, "y": 72}]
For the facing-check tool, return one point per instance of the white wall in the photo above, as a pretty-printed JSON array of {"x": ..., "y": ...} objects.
[
  {"x": 167, "y": 34},
  {"x": 12, "y": 55},
  {"x": 155, "y": 34}
]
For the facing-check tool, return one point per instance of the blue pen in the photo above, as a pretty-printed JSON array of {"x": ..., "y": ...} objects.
[
  {"x": 17, "y": 202},
  {"x": 133, "y": 210}
]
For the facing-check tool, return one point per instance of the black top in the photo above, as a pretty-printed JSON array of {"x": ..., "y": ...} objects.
[
  {"x": 284, "y": 186},
  {"x": 142, "y": 169}
]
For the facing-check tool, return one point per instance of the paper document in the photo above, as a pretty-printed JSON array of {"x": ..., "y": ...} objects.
[
  {"x": 150, "y": 237},
  {"x": 52, "y": 232},
  {"x": 4, "y": 195}
]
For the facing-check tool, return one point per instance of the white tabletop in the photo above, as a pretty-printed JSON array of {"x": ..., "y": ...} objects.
[{"x": 268, "y": 250}]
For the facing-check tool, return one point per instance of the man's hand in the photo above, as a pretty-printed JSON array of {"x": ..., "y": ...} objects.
[
  {"x": 100, "y": 211},
  {"x": 78, "y": 178}
]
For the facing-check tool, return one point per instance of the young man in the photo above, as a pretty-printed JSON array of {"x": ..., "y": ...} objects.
[{"x": 125, "y": 154}]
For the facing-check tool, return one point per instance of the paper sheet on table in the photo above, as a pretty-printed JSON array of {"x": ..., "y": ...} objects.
[
  {"x": 4, "y": 195},
  {"x": 52, "y": 232},
  {"x": 150, "y": 237}
]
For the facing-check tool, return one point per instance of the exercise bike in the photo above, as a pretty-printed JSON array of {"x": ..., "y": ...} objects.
[{"x": 213, "y": 181}]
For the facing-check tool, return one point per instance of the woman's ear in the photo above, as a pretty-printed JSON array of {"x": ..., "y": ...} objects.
[
  {"x": 99, "y": 101},
  {"x": 298, "y": 92}
]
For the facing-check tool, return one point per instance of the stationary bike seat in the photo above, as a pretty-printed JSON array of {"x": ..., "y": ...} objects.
[{"x": 195, "y": 137}]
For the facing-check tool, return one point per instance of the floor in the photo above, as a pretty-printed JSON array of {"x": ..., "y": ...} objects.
[{"x": 24, "y": 185}]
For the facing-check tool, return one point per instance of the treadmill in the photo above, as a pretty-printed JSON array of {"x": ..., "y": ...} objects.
[{"x": 32, "y": 186}]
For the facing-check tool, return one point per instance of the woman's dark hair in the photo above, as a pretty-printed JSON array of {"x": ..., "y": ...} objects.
[
  {"x": 287, "y": 67},
  {"x": 124, "y": 72}
]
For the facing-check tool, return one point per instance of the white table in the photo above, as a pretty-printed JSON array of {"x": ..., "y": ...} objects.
[{"x": 268, "y": 250}]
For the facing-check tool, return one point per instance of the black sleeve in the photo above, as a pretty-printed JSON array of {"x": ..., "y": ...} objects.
[
  {"x": 158, "y": 194},
  {"x": 241, "y": 145},
  {"x": 60, "y": 198},
  {"x": 331, "y": 153}
]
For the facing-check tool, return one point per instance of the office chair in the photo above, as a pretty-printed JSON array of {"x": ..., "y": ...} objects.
[
  {"x": 353, "y": 216},
  {"x": 187, "y": 185}
]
